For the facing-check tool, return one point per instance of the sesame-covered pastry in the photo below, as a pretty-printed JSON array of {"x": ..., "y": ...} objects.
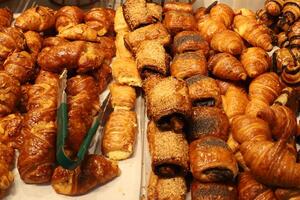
[{"x": 177, "y": 21}]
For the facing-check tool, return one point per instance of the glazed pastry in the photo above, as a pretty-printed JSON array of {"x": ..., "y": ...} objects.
[
  {"x": 226, "y": 66},
  {"x": 189, "y": 41},
  {"x": 68, "y": 16},
  {"x": 169, "y": 152},
  {"x": 212, "y": 191},
  {"x": 10, "y": 127},
  {"x": 122, "y": 97},
  {"x": 6, "y": 17},
  {"x": 166, "y": 188},
  {"x": 208, "y": 26},
  {"x": 119, "y": 135},
  {"x": 284, "y": 194},
  {"x": 177, "y": 21},
  {"x": 288, "y": 97},
  {"x": 6, "y": 163},
  {"x": 282, "y": 40},
  {"x": 79, "y": 32},
  {"x": 227, "y": 41},
  {"x": 256, "y": 61},
  {"x": 255, "y": 106},
  {"x": 178, "y": 6},
  {"x": 38, "y": 19},
  {"x": 37, "y": 154},
  {"x": 10, "y": 91},
  {"x": 274, "y": 7},
  {"x": 54, "y": 41},
  {"x": 246, "y": 12},
  {"x": 121, "y": 50},
  {"x": 23, "y": 103},
  {"x": 83, "y": 105},
  {"x": 151, "y": 32},
  {"x": 20, "y": 65},
  {"x": 208, "y": 121},
  {"x": 119, "y": 21},
  {"x": 290, "y": 14},
  {"x": 34, "y": 42},
  {"x": 124, "y": 71},
  {"x": 264, "y": 17},
  {"x": 204, "y": 91},
  {"x": 222, "y": 13},
  {"x": 95, "y": 170},
  {"x": 188, "y": 64},
  {"x": 283, "y": 61},
  {"x": 256, "y": 34},
  {"x": 293, "y": 35},
  {"x": 168, "y": 102},
  {"x": 103, "y": 76},
  {"x": 211, "y": 160}
]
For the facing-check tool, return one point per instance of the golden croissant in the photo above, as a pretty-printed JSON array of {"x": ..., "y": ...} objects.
[
  {"x": 34, "y": 42},
  {"x": 208, "y": 26},
  {"x": 222, "y": 13},
  {"x": 6, "y": 17},
  {"x": 68, "y": 16},
  {"x": 7, "y": 156}
]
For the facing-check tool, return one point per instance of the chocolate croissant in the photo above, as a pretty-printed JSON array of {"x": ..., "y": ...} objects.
[
  {"x": 94, "y": 171},
  {"x": 122, "y": 97},
  {"x": 222, "y": 13},
  {"x": 119, "y": 135},
  {"x": 226, "y": 66},
  {"x": 211, "y": 160},
  {"x": 283, "y": 58},
  {"x": 290, "y": 14},
  {"x": 274, "y": 7},
  {"x": 10, "y": 128},
  {"x": 38, "y": 19},
  {"x": 264, "y": 17},
  {"x": 34, "y": 43},
  {"x": 68, "y": 16},
  {"x": 208, "y": 26},
  {"x": 6, "y": 17},
  {"x": 188, "y": 64},
  {"x": 177, "y": 21},
  {"x": 6, "y": 162},
  {"x": 293, "y": 35},
  {"x": 282, "y": 40},
  {"x": 37, "y": 154},
  {"x": 169, "y": 152}
]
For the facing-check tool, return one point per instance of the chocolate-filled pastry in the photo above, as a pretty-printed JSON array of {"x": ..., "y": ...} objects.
[
  {"x": 227, "y": 41},
  {"x": 151, "y": 56},
  {"x": 54, "y": 41},
  {"x": 38, "y": 19},
  {"x": 6, "y": 17},
  {"x": 6, "y": 163},
  {"x": 124, "y": 71},
  {"x": 37, "y": 154},
  {"x": 208, "y": 26},
  {"x": 282, "y": 40},
  {"x": 119, "y": 135},
  {"x": 274, "y": 7},
  {"x": 256, "y": 61},
  {"x": 177, "y": 21},
  {"x": 166, "y": 188},
  {"x": 10, "y": 91},
  {"x": 34, "y": 42},
  {"x": 213, "y": 191},
  {"x": 208, "y": 121},
  {"x": 263, "y": 17},
  {"x": 169, "y": 152},
  {"x": 189, "y": 41},
  {"x": 94, "y": 171},
  {"x": 290, "y": 14},
  {"x": 122, "y": 96},
  {"x": 283, "y": 58},
  {"x": 121, "y": 50},
  {"x": 226, "y": 66},
  {"x": 151, "y": 32},
  {"x": 211, "y": 160},
  {"x": 188, "y": 64},
  {"x": 103, "y": 76},
  {"x": 10, "y": 127},
  {"x": 168, "y": 102},
  {"x": 222, "y": 13},
  {"x": 20, "y": 65},
  {"x": 119, "y": 21},
  {"x": 294, "y": 34},
  {"x": 178, "y": 6},
  {"x": 287, "y": 194},
  {"x": 204, "y": 91},
  {"x": 68, "y": 16}
]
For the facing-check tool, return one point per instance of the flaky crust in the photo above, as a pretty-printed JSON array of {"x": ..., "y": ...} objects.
[
  {"x": 34, "y": 42},
  {"x": 121, "y": 50},
  {"x": 122, "y": 96},
  {"x": 54, "y": 41},
  {"x": 119, "y": 21},
  {"x": 68, "y": 16},
  {"x": 103, "y": 77},
  {"x": 6, "y": 162},
  {"x": 223, "y": 13},
  {"x": 6, "y": 17},
  {"x": 178, "y": 6},
  {"x": 10, "y": 128},
  {"x": 207, "y": 26},
  {"x": 177, "y": 21}
]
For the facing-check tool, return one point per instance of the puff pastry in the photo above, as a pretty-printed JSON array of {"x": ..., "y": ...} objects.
[
  {"x": 177, "y": 21},
  {"x": 6, "y": 17},
  {"x": 6, "y": 162},
  {"x": 119, "y": 21},
  {"x": 121, "y": 50},
  {"x": 178, "y": 6},
  {"x": 34, "y": 42},
  {"x": 68, "y": 16},
  {"x": 122, "y": 96}
]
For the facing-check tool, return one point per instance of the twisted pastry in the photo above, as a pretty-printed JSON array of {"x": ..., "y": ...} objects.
[
  {"x": 282, "y": 40},
  {"x": 264, "y": 17},
  {"x": 222, "y": 13},
  {"x": 6, "y": 163},
  {"x": 274, "y": 7},
  {"x": 6, "y": 17},
  {"x": 208, "y": 26},
  {"x": 283, "y": 58},
  {"x": 37, "y": 154},
  {"x": 68, "y": 16},
  {"x": 34, "y": 42},
  {"x": 290, "y": 14},
  {"x": 293, "y": 35}
]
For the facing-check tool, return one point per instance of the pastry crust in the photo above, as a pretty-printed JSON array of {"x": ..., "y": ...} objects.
[
  {"x": 68, "y": 16},
  {"x": 6, "y": 17},
  {"x": 34, "y": 42},
  {"x": 121, "y": 50},
  {"x": 177, "y": 21},
  {"x": 178, "y": 6},
  {"x": 122, "y": 96},
  {"x": 119, "y": 21}
]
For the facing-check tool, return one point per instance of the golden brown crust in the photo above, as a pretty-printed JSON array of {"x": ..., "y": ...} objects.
[
  {"x": 207, "y": 26},
  {"x": 10, "y": 127},
  {"x": 6, "y": 17},
  {"x": 119, "y": 21},
  {"x": 6, "y": 162},
  {"x": 287, "y": 194},
  {"x": 121, "y": 50},
  {"x": 178, "y": 6},
  {"x": 155, "y": 11},
  {"x": 34, "y": 42},
  {"x": 222, "y": 13},
  {"x": 122, "y": 96},
  {"x": 177, "y": 21},
  {"x": 79, "y": 32},
  {"x": 200, "y": 12},
  {"x": 68, "y": 16},
  {"x": 274, "y": 7},
  {"x": 103, "y": 76},
  {"x": 54, "y": 41}
]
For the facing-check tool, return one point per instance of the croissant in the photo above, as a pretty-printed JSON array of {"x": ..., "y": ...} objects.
[
  {"x": 38, "y": 19},
  {"x": 227, "y": 41},
  {"x": 290, "y": 14},
  {"x": 54, "y": 41},
  {"x": 224, "y": 85},
  {"x": 120, "y": 23},
  {"x": 211, "y": 160},
  {"x": 212, "y": 191},
  {"x": 208, "y": 26},
  {"x": 121, "y": 50},
  {"x": 256, "y": 34},
  {"x": 10, "y": 91},
  {"x": 249, "y": 188},
  {"x": 10, "y": 127},
  {"x": 94, "y": 171},
  {"x": 37, "y": 153},
  {"x": 6, "y": 162},
  {"x": 68, "y": 16},
  {"x": 222, "y": 13},
  {"x": 293, "y": 35},
  {"x": 200, "y": 12},
  {"x": 189, "y": 41},
  {"x": 283, "y": 58},
  {"x": 274, "y": 7},
  {"x": 288, "y": 97},
  {"x": 20, "y": 65},
  {"x": 34, "y": 42},
  {"x": 188, "y": 64},
  {"x": 122, "y": 97},
  {"x": 256, "y": 61},
  {"x": 264, "y": 17},
  {"x": 23, "y": 103},
  {"x": 6, "y": 17},
  {"x": 255, "y": 106},
  {"x": 287, "y": 194},
  {"x": 282, "y": 40},
  {"x": 178, "y": 6},
  {"x": 225, "y": 66},
  {"x": 83, "y": 105},
  {"x": 169, "y": 151},
  {"x": 177, "y": 21},
  {"x": 103, "y": 77},
  {"x": 119, "y": 135},
  {"x": 166, "y": 188}
]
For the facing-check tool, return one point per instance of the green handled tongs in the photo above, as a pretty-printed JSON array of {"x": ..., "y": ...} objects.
[{"x": 62, "y": 128}]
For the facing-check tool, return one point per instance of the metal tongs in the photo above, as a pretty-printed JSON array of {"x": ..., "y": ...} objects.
[{"x": 62, "y": 128}]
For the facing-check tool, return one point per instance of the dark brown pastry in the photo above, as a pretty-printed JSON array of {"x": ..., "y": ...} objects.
[
  {"x": 68, "y": 16},
  {"x": 34, "y": 42},
  {"x": 6, "y": 17},
  {"x": 103, "y": 76},
  {"x": 177, "y": 21},
  {"x": 293, "y": 35},
  {"x": 274, "y": 7},
  {"x": 290, "y": 14},
  {"x": 122, "y": 96},
  {"x": 282, "y": 40}
]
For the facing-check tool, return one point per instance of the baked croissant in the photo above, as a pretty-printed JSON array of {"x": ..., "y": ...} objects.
[
  {"x": 256, "y": 106},
  {"x": 122, "y": 97},
  {"x": 37, "y": 154},
  {"x": 287, "y": 194},
  {"x": 6, "y": 17},
  {"x": 274, "y": 7},
  {"x": 6, "y": 162},
  {"x": 226, "y": 66},
  {"x": 34, "y": 42},
  {"x": 54, "y": 41},
  {"x": 10, "y": 91},
  {"x": 253, "y": 32},
  {"x": 227, "y": 41},
  {"x": 177, "y": 21},
  {"x": 208, "y": 26},
  {"x": 222, "y": 13},
  {"x": 38, "y": 19},
  {"x": 293, "y": 35},
  {"x": 79, "y": 32},
  {"x": 282, "y": 40},
  {"x": 103, "y": 77},
  {"x": 10, "y": 127},
  {"x": 169, "y": 152},
  {"x": 68, "y": 16},
  {"x": 83, "y": 105},
  {"x": 23, "y": 103},
  {"x": 290, "y": 14},
  {"x": 178, "y": 6},
  {"x": 94, "y": 171},
  {"x": 211, "y": 160},
  {"x": 120, "y": 23},
  {"x": 264, "y": 17},
  {"x": 283, "y": 58}
]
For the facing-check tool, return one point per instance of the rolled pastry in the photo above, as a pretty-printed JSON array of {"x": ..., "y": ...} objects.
[
  {"x": 121, "y": 50},
  {"x": 122, "y": 97},
  {"x": 119, "y": 21},
  {"x": 119, "y": 135},
  {"x": 177, "y": 21}
]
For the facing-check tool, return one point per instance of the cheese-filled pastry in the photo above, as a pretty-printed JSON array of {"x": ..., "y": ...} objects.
[
  {"x": 119, "y": 135},
  {"x": 177, "y": 21},
  {"x": 68, "y": 16},
  {"x": 124, "y": 71},
  {"x": 6, "y": 17},
  {"x": 122, "y": 96},
  {"x": 169, "y": 151}
]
